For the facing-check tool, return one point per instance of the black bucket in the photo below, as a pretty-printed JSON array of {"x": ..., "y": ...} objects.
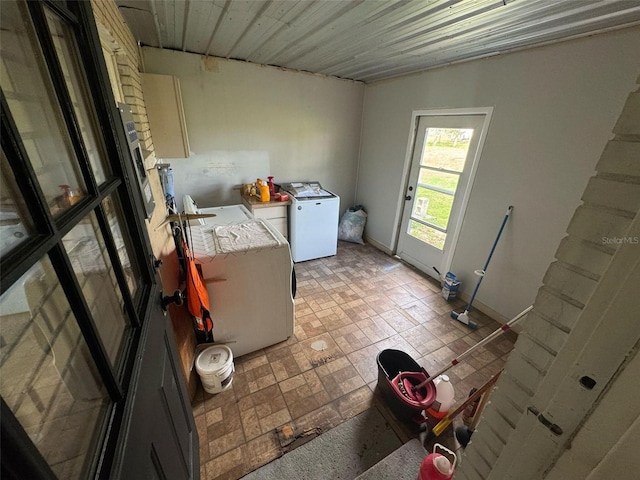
[{"x": 397, "y": 373}]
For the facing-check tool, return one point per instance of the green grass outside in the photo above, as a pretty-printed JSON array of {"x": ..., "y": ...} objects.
[{"x": 448, "y": 152}]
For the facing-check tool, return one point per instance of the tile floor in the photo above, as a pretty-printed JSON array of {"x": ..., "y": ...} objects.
[{"x": 348, "y": 308}]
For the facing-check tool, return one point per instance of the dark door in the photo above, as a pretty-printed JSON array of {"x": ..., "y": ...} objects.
[
  {"x": 160, "y": 442},
  {"x": 90, "y": 379}
]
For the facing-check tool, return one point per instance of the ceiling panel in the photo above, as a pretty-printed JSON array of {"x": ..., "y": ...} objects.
[{"x": 367, "y": 40}]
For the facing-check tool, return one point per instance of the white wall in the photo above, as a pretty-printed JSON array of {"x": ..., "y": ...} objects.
[
  {"x": 246, "y": 121},
  {"x": 554, "y": 108}
]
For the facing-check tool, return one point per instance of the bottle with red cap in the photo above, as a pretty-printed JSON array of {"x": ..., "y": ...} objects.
[{"x": 445, "y": 396}]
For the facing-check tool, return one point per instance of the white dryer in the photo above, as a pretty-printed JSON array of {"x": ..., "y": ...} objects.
[{"x": 247, "y": 267}]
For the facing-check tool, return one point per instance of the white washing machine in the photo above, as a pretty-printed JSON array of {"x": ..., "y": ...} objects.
[
  {"x": 313, "y": 221},
  {"x": 247, "y": 267}
]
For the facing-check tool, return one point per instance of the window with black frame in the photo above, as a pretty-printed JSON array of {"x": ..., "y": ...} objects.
[{"x": 72, "y": 280}]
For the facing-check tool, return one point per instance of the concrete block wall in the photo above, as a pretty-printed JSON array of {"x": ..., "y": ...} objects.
[
  {"x": 610, "y": 202},
  {"x": 112, "y": 23}
]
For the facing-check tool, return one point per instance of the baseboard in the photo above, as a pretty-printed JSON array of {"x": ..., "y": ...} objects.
[
  {"x": 490, "y": 312},
  {"x": 378, "y": 245}
]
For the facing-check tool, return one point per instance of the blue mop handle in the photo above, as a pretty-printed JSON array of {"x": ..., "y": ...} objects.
[{"x": 486, "y": 265}]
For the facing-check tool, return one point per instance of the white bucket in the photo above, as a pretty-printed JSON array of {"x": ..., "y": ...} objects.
[{"x": 215, "y": 367}]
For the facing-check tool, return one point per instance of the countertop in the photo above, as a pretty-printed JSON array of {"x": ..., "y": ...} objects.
[{"x": 255, "y": 202}]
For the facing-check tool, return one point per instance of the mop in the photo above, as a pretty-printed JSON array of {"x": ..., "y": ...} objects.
[
  {"x": 418, "y": 389},
  {"x": 484, "y": 341},
  {"x": 464, "y": 317}
]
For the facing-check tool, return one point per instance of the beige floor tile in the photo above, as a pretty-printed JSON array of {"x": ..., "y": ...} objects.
[
  {"x": 350, "y": 338},
  {"x": 321, "y": 349},
  {"x": 262, "y": 450},
  {"x": 375, "y": 328},
  {"x": 349, "y": 307},
  {"x": 399, "y": 320}
]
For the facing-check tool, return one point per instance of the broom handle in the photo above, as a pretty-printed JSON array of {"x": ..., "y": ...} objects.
[
  {"x": 481, "y": 343},
  {"x": 493, "y": 248}
]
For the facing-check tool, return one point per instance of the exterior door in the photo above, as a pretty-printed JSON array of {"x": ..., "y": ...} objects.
[
  {"x": 89, "y": 376},
  {"x": 445, "y": 153}
]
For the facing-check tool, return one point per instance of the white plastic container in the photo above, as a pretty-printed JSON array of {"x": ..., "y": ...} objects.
[
  {"x": 215, "y": 367},
  {"x": 445, "y": 396}
]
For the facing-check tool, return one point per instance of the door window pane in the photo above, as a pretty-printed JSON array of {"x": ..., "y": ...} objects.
[
  {"x": 27, "y": 87},
  {"x": 435, "y": 207},
  {"x": 47, "y": 376},
  {"x": 91, "y": 263},
  {"x": 15, "y": 221},
  {"x": 446, "y": 148},
  {"x": 115, "y": 215},
  {"x": 439, "y": 180},
  {"x": 429, "y": 235},
  {"x": 443, "y": 157},
  {"x": 63, "y": 41}
]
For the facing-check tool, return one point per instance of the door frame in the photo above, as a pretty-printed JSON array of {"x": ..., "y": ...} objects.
[{"x": 406, "y": 171}]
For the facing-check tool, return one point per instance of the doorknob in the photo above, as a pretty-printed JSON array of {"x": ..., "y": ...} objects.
[
  {"x": 408, "y": 197},
  {"x": 165, "y": 300}
]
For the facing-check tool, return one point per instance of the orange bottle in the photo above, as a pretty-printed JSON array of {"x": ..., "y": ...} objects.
[{"x": 264, "y": 193}]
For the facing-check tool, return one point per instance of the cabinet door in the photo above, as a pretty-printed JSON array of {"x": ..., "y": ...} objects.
[
  {"x": 163, "y": 99},
  {"x": 276, "y": 215}
]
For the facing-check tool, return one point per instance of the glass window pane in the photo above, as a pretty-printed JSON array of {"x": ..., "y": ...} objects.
[
  {"x": 27, "y": 87},
  {"x": 15, "y": 221},
  {"x": 91, "y": 263},
  {"x": 432, "y": 207},
  {"x": 47, "y": 376},
  {"x": 442, "y": 180},
  {"x": 63, "y": 41},
  {"x": 446, "y": 148},
  {"x": 115, "y": 215},
  {"x": 429, "y": 235}
]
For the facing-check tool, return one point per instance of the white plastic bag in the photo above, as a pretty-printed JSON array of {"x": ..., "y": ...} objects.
[{"x": 352, "y": 225}]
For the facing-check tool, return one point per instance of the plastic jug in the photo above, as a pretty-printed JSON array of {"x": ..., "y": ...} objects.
[
  {"x": 436, "y": 466},
  {"x": 444, "y": 397},
  {"x": 264, "y": 193}
]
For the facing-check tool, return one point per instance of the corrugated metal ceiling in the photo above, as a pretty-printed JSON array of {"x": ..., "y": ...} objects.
[{"x": 367, "y": 40}]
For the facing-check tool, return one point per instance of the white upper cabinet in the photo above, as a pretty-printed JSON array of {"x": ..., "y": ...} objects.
[{"x": 163, "y": 100}]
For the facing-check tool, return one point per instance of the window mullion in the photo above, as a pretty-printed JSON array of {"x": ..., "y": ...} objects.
[
  {"x": 81, "y": 310},
  {"x": 116, "y": 142},
  {"x": 64, "y": 99},
  {"x": 20, "y": 458},
  {"x": 428, "y": 224},
  {"x": 436, "y": 189},
  {"x": 116, "y": 264}
]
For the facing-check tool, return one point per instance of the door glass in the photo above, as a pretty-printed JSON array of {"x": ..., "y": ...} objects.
[
  {"x": 443, "y": 157},
  {"x": 47, "y": 376},
  {"x": 15, "y": 221},
  {"x": 63, "y": 41},
  {"x": 27, "y": 87},
  {"x": 88, "y": 254},
  {"x": 115, "y": 216}
]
